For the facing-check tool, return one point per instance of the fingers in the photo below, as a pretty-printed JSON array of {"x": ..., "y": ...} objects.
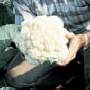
[
  {"x": 75, "y": 43},
  {"x": 64, "y": 63},
  {"x": 70, "y": 35},
  {"x": 73, "y": 47},
  {"x": 59, "y": 87},
  {"x": 67, "y": 61}
]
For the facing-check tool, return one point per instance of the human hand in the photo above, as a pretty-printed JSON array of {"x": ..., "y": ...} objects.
[{"x": 75, "y": 43}]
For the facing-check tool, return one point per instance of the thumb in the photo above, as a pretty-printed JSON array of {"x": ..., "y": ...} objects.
[{"x": 70, "y": 35}]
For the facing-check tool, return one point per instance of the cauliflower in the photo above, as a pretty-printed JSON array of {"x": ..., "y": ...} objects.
[{"x": 43, "y": 38}]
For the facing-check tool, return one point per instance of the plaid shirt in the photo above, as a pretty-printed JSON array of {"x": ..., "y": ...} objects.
[{"x": 74, "y": 13}]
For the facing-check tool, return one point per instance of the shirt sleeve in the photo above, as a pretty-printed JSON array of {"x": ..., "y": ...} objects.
[
  {"x": 88, "y": 15},
  {"x": 88, "y": 22},
  {"x": 87, "y": 1},
  {"x": 22, "y": 8},
  {"x": 88, "y": 26}
]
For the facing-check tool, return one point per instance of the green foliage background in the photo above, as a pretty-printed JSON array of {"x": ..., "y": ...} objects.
[
  {"x": 6, "y": 12},
  {"x": 6, "y": 17}
]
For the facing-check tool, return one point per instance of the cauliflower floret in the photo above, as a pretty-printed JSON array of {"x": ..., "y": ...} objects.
[{"x": 43, "y": 38}]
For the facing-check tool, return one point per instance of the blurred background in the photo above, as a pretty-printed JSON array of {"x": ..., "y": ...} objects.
[
  {"x": 7, "y": 16},
  {"x": 6, "y": 12}
]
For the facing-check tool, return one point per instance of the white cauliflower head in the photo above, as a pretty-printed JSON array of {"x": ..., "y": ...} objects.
[{"x": 43, "y": 38}]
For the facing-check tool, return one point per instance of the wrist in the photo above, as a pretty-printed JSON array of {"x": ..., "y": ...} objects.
[
  {"x": 86, "y": 41},
  {"x": 82, "y": 40}
]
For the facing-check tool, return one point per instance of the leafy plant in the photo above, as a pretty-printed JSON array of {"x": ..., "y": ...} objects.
[{"x": 6, "y": 12}]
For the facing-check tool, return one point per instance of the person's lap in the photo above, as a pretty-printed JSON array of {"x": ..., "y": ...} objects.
[{"x": 71, "y": 76}]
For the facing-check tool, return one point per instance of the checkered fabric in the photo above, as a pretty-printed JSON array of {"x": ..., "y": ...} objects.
[{"x": 74, "y": 13}]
